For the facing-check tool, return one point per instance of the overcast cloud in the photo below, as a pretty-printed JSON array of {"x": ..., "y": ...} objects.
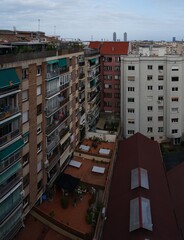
[{"x": 97, "y": 19}]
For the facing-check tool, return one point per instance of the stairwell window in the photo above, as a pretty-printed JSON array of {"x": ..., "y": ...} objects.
[
  {"x": 130, "y": 99},
  {"x": 131, "y": 68}
]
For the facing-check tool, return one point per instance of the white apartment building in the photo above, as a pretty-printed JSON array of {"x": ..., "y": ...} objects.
[{"x": 152, "y": 102}]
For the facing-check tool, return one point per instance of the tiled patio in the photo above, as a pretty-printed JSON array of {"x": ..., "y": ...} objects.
[{"x": 73, "y": 217}]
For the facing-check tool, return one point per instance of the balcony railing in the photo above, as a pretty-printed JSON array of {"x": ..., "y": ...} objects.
[
  {"x": 55, "y": 124},
  {"x": 56, "y": 72},
  {"x": 9, "y": 161},
  {"x": 81, "y": 88},
  {"x": 12, "y": 231},
  {"x": 53, "y": 160},
  {"x": 63, "y": 87},
  {"x": 63, "y": 132},
  {"x": 8, "y": 137},
  {"x": 49, "y": 111},
  {"x": 81, "y": 75},
  {"x": 52, "y": 143},
  {"x": 52, "y": 92},
  {"x": 6, "y": 188},
  {"x": 11, "y": 209},
  {"x": 7, "y": 111}
]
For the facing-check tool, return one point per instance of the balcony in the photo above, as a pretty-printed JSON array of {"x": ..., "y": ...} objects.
[
  {"x": 81, "y": 75},
  {"x": 63, "y": 132},
  {"x": 12, "y": 230},
  {"x": 9, "y": 161},
  {"x": 81, "y": 62},
  {"x": 60, "y": 104},
  {"x": 7, "y": 111},
  {"x": 53, "y": 174},
  {"x": 56, "y": 72},
  {"x": 63, "y": 87},
  {"x": 56, "y": 123},
  {"x": 81, "y": 100},
  {"x": 4, "y": 189},
  {"x": 8, "y": 137},
  {"x": 93, "y": 95},
  {"x": 81, "y": 87},
  {"x": 52, "y": 143},
  {"x": 49, "y": 93},
  {"x": 53, "y": 160},
  {"x": 13, "y": 207}
]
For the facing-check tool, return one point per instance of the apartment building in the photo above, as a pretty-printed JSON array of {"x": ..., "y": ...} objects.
[
  {"x": 42, "y": 102},
  {"x": 93, "y": 87},
  {"x": 110, "y": 55},
  {"x": 152, "y": 102}
]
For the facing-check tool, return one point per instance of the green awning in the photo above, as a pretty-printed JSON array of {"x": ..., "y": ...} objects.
[
  {"x": 52, "y": 61},
  {"x": 62, "y": 62},
  {"x": 93, "y": 60},
  {"x": 8, "y": 78},
  {"x": 5, "y": 153},
  {"x": 10, "y": 172}
]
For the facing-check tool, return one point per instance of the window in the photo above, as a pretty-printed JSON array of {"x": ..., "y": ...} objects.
[
  {"x": 117, "y": 68},
  {"x": 130, "y": 131},
  {"x": 131, "y": 89},
  {"x": 108, "y": 95},
  {"x": 26, "y": 180},
  {"x": 116, "y": 86},
  {"x": 131, "y": 110},
  {"x": 160, "y": 67},
  {"x": 160, "y": 118},
  {"x": 131, "y": 78},
  {"x": 116, "y": 77},
  {"x": 150, "y": 87},
  {"x": 160, "y": 78},
  {"x": 149, "y": 67},
  {"x": 175, "y": 68},
  {"x": 108, "y": 104},
  {"x": 26, "y": 138},
  {"x": 24, "y": 95},
  {"x": 108, "y": 86},
  {"x": 24, "y": 73},
  {"x": 39, "y": 109},
  {"x": 131, "y": 121},
  {"x": 150, "y": 108},
  {"x": 150, "y": 129},
  {"x": 174, "y": 89},
  {"x": 107, "y": 59},
  {"x": 160, "y": 87},
  {"x": 130, "y": 99},
  {"x": 107, "y": 68},
  {"x": 149, "y": 77},
  {"x": 25, "y": 117},
  {"x": 160, "y": 129},
  {"x": 39, "y": 147},
  {"x": 160, "y": 98},
  {"x": 131, "y": 68},
  {"x": 108, "y": 77},
  {"x": 39, "y": 166},
  {"x": 149, "y": 119},
  {"x": 117, "y": 95},
  {"x": 160, "y": 108},
  {"x": 174, "y": 99},
  {"x": 175, "y": 110},
  {"x": 174, "y": 120},
  {"x": 38, "y": 71},
  {"x": 39, "y": 128},
  {"x": 175, "y": 79},
  {"x": 25, "y": 159},
  {"x": 174, "y": 130},
  {"x": 38, "y": 90}
]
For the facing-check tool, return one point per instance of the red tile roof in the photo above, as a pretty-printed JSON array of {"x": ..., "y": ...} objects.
[
  {"x": 139, "y": 151},
  {"x": 111, "y": 48},
  {"x": 175, "y": 179}
]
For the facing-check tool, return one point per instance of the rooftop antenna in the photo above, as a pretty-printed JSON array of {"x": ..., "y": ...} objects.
[
  {"x": 54, "y": 31},
  {"x": 38, "y": 25}
]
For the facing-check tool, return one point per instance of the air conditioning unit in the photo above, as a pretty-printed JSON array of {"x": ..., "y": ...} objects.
[{"x": 46, "y": 164}]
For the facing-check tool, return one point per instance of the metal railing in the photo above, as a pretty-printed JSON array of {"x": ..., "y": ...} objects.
[{"x": 9, "y": 137}]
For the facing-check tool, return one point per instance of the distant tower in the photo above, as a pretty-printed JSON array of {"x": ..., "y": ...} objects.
[
  {"x": 125, "y": 37},
  {"x": 174, "y": 39},
  {"x": 114, "y": 37}
]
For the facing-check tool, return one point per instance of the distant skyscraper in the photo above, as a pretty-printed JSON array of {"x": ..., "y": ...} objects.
[
  {"x": 125, "y": 37},
  {"x": 174, "y": 39},
  {"x": 114, "y": 36}
]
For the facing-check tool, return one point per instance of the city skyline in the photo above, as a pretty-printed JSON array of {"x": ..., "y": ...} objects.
[{"x": 87, "y": 20}]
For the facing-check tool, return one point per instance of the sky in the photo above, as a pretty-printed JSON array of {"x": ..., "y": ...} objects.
[{"x": 96, "y": 19}]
